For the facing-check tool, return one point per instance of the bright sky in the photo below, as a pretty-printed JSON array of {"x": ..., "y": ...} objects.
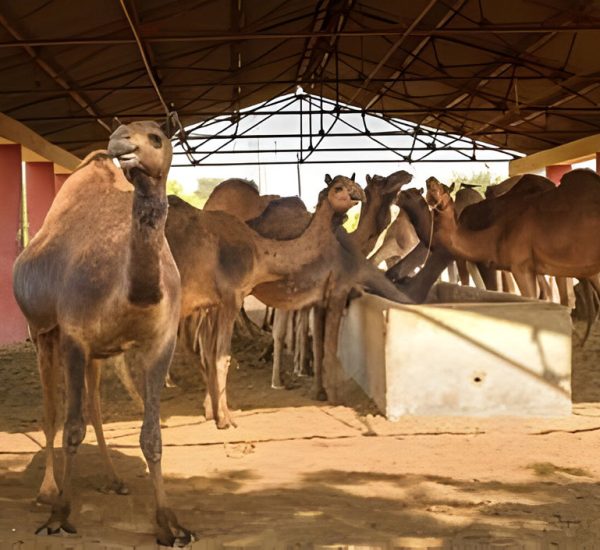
[{"x": 283, "y": 179}]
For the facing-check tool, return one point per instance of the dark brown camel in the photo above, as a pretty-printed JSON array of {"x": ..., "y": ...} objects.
[
  {"x": 96, "y": 281},
  {"x": 552, "y": 232}
]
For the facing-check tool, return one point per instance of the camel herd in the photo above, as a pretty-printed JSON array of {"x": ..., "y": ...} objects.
[{"x": 119, "y": 269}]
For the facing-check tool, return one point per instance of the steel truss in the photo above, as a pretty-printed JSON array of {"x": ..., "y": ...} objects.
[{"x": 315, "y": 122}]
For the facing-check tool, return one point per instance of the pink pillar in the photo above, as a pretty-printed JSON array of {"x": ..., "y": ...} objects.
[
  {"x": 556, "y": 171},
  {"x": 59, "y": 179},
  {"x": 40, "y": 192},
  {"x": 13, "y": 327}
]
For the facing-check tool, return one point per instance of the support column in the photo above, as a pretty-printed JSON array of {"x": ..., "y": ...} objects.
[
  {"x": 40, "y": 192},
  {"x": 59, "y": 179},
  {"x": 13, "y": 327},
  {"x": 556, "y": 171}
]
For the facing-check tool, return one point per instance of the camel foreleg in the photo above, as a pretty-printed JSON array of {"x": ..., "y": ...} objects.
[
  {"x": 170, "y": 532},
  {"x": 318, "y": 390},
  {"x": 74, "y": 359}
]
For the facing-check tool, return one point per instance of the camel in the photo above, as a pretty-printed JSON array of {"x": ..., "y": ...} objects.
[
  {"x": 238, "y": 197},
  {"x": 286, "y": 218},
  {"x": 381, "y": 192},
  {"x": 221, "y": 260},
  {"x": 552, "y": 232},
  {"x": 96, "y": 281}
]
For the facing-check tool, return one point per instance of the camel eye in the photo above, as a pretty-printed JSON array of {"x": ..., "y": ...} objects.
[
  {"x": 155, "y": 141},
  {"x": 338, "y": 188}
]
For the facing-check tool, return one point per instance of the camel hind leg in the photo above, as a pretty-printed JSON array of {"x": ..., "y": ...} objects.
[
  {"x": 280, "y": 324},
  {"x": 92, "y": 379},
  {"x": 49, "y": 368},
  {"x": 215, "y": 332}
]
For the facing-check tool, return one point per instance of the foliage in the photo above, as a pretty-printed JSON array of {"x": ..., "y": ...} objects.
[
  {"x": 352, "y": 217},
  {"x": 480, "y": 180},
  {"x": 196, "y": 197}
]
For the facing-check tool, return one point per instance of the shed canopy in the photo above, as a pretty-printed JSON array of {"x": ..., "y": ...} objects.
[{"x": 520, "y": 74}]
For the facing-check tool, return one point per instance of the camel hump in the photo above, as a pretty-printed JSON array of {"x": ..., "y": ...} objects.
[
  {"x": 580, "y": 176},
  {"x": 175, "y": 201},
  {"x": 282, "y": 219}
]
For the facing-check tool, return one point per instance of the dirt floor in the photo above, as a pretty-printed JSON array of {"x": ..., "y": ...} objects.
[{"x": 301, "y": 474}]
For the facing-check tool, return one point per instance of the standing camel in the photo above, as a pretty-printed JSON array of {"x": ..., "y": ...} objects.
[
  {"x": 221, "y": 260},
  {"x": 282, "y": 220},
  {"x": 96, "y": 281},
  {"x": 553, "y": 232}
]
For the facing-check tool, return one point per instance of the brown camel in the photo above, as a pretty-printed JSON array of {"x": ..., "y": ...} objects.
[
  {"x": 96, "y": 281},
  {"x": 238, "y": 197},
  {"x": 552, "y": 232},
  {"x": 327, "y": 285},
  {"x": 285, "y": 219},
  {"x": 221, "y": 260}
]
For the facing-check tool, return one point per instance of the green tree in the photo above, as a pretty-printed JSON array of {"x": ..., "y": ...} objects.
[{"x": 480, "y": 180}]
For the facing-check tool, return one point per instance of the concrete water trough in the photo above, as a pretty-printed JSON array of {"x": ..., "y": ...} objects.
[{"x": 465, "y": 352}]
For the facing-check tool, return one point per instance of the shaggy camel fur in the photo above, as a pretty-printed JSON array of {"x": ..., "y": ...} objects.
[
  {"x": 552, "y": 232},
  {"x": 96, "y": 281},
  {"x": 221, "y": 260},
  {"x": 238, "y": 197}
]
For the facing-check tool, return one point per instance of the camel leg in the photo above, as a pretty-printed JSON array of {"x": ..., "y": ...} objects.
[
  {"x": 170, "y": 533},
  {"x": 526, "y": 282},
  {"x": 475, "y": 275},
  {"x": 124, "y": 375},
  {"x": 318, "y": 390},
  {"x": 332, "y": 369},
  {"x": 49, "y": 368},
  {"x": 453, "y": 273},
  {"x": 463, "y": 272},
  {"x": 301, "y": 355},
  {"x": 74, "y": 359},
  {"x": 545, "y": 291},
  {"x": 92, "y": 379},
  {"x": 279, "y": 329},
  {"x": 221, "y": 368}
]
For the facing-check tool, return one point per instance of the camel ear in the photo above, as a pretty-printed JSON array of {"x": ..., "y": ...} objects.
[
  {"x": 369, "y": 180},
  {"x": 328, "y": 180},
  {"x": 353, "y": 176},
  {"x": 115, "y": 123},
  {"x": 451, "y": 187},
  {"x": 171, "y": 125},
  {"x": 420, "y": 190}
]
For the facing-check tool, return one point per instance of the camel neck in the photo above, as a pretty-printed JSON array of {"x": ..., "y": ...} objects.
[
  {"x": 282, "y": 257},
  {"x": 461, "y": 241},
  {"x": 149, "y": 213},
  {"x": 374, "y": 218},
  {"x": 420, "y": 217}
]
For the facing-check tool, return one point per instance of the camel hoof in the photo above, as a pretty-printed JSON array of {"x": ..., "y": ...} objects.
[
  {"x": 56, "y": 528},
  {"x": 46, "y": 499},
  {"x": 277, "y": 386},
  {"x": 115, "y": 488},
  {"x": 319, "y": 394},
  {"x": 181, "y": 540}
]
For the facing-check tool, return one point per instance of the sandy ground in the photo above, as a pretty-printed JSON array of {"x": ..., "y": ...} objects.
[{"x": 300, "y": 474}]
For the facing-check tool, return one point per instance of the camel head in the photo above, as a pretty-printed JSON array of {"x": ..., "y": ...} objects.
[
  {"x": 142, "y": 147},
  {"x": 389, "y": 184},
  {"x": 408, "y": 198},
  {"x": 343, "y": 193},
  {"x": 438, "y": 195}
]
